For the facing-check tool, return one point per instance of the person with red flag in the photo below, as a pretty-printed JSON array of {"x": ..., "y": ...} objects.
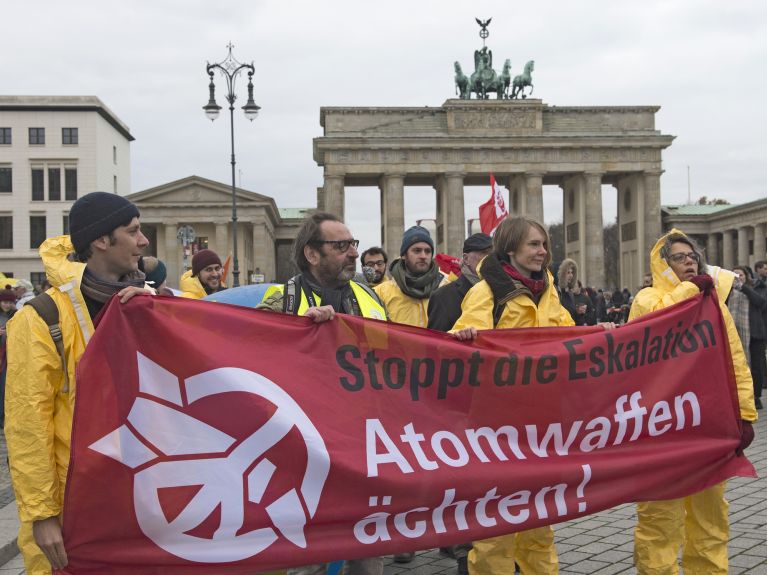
[
  {"x": 97, "y": 261},
  {"x": 699, "y": 522},
  {"x": 493, "y": 211},
  {"x": 205, "y": 277}
]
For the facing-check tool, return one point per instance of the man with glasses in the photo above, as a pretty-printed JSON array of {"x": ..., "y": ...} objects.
[
  {"x": 375, "y": 259},
  {"x": 326, "y": 254},
  {"x": 699, "y": 522}
]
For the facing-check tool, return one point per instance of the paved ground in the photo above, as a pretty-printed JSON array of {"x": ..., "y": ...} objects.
[{"x": 599, "y": 544}]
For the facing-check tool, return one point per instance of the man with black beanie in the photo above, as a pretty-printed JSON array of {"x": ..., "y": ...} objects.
[
  {"x": 206, "y": 276},
  {"x": 97, "y": 261}
]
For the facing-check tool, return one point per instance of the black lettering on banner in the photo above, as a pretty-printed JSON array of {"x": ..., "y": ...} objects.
[
  {"x": 505, "y": 372},
  {"x": 546, "y": 370},
  {"x": 416, "y": 381},
  {"x": 359, "y": 380},
  {"x": 400, "y": 367},
  {"x": 445, "y": 380},
  {"x": 574, "y": 358}
]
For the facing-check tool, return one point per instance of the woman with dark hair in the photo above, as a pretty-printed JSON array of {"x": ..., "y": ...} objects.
[{"x": 754, "y": 343}]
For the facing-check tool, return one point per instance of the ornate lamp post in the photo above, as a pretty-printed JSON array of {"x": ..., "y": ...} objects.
[{"x": 230, "y": 68}]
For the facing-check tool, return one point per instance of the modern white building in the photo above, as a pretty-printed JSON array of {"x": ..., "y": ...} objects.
[{"x": 53, "y": 149}]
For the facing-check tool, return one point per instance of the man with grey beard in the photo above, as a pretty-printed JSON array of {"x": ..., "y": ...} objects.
[{"x": 326, "y": 254}]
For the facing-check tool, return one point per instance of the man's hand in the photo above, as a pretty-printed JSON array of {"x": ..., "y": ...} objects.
[
  {"x": 465, "y": 334},
  {"x": 746, "y": 436},
  {"x": 607, "y": 325},
  {"x": 703, "y": 282},
  {"x": 321, "y": 314},
  {"x": 47, "y": 534},
  {"x": 126, "y": 294}
]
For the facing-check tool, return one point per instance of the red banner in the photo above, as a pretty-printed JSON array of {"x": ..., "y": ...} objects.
[{"x": 216, "y": 439}]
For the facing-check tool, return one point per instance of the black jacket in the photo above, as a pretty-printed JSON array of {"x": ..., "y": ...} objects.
[
  {"x": 445, "y": 304},
  {"x": 757, "y": 309}
]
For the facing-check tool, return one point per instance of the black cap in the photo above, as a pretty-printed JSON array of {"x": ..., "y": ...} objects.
[
  {"x": 97, "y": 214},
  {"x": 477, "y": 243}
]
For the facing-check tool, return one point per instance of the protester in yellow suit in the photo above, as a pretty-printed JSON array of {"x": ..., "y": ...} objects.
[
  {"x": 516, "y": 283},
  {"x": 100, "y": 260},
  {"x": 698, "y": 521},
  {"x": 206, "y": 276}
]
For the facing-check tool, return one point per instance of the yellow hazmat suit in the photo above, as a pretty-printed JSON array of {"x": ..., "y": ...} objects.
[
  {"x": 534, "y": 549},
  {"x": 698, "y": 521},
  {"x": 191, "y": 287},
  {"x": 39, "y": 406}
]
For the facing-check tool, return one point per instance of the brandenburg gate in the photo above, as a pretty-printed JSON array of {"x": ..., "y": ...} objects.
[{"x": 526, "y": 144}]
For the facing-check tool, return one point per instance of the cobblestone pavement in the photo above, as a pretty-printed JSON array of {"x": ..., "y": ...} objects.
[{"x": 599, "y": 544}]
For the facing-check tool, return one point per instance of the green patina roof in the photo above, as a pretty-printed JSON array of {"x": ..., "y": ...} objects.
[
  {"x": 294, "y": 213},
  {"x": 695, "y": 209}
]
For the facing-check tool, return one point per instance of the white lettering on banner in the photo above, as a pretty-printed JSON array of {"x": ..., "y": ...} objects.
[
  {"x": 486, "y": 445},
  {"x": 458, "y": 514}
]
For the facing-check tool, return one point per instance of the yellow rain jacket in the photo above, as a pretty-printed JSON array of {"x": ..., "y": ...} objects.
[
  {"x": 698, "y": 521},
  {"x": 534, "y": 549},
  {"x": 191, "y": 287},
  {"x": 38, "y": 407},
  {"x": 401, "y": 307}
]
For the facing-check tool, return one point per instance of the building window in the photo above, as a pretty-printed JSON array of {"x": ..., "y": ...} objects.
[
  {"x": 5, "y": 136},
  {"x": 65, "y": 224},
  {"x": 6, "y": 233},
  {"x": 114, "y": 155},
  {"x": 37, "y": 278},
  {"x": 69, "y": 136},
  {"x": 6, "y": 180},
  {"x": 54, "y": 184},
  {"x": 114, "y": 184},
  {"x": 36, "y": 231},
  {"x": 70, "y": 183},
  {"x": 37, "y": 136},
  {"x": 38, "y": 184}
]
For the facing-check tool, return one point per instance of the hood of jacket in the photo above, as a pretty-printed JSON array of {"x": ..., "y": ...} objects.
[
  {"x": 58, "y": 255},
  {"x": 191, "y": 287},
  {"x": 664, "y": 278}
]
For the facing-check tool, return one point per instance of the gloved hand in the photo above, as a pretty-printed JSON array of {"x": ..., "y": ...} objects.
[
  {"x": 746, "y": 436},
  {"x": 703, "y": 282}
]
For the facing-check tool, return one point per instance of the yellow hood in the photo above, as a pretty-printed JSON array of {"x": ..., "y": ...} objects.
[
  {"x": 664, "y": 278},
  {"x": 190, "y": 286},
  {"x": 59, "y": 268}
]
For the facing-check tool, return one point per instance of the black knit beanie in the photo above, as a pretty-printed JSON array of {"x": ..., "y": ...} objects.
[
  {"x": 413, "y": 236},
  {"x": 97, "y": 214}
]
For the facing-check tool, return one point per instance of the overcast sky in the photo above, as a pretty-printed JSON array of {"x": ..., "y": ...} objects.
[{"x": 701, "y": 61}]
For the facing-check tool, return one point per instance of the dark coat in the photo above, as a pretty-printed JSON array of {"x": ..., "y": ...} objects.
[
  {"x": 757, "y": 310},
  {"x": 445, "y": 304}
]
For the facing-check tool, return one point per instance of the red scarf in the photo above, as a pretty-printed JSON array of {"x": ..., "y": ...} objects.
[{"x": 535, "y": 286}]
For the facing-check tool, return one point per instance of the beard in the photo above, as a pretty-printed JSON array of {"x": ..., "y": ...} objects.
[{"x": 330, "y": 274}]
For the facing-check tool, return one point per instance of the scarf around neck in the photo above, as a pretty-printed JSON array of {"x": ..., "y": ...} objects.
[
  {"x": 506, "y": 282},
  {"x": 418, "y": 287},
  {"x": 101, "y": 290},
  {"x": 470, "y": 276}
]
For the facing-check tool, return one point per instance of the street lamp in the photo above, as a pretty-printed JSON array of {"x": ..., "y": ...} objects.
[{"x": 230, "y": 68}]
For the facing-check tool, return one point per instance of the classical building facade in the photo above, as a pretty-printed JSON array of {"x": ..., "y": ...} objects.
[
  {"x": 264, "y": 232},
  {"x": 52, "y": 150},
  {"x": 526, "y": 144},
  {"x": 731, "y": 234}
]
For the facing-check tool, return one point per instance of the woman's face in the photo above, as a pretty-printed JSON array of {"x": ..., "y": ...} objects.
[
  {"x": 530, "y": 256},
  {"x": 741, "y": 275},
  {"x": 6, "y": 305}
]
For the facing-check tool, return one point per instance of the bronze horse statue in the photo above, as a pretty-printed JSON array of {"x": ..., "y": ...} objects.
[
  {"x": 462, "y": 87},
  {"x": 523, "y": 80}
]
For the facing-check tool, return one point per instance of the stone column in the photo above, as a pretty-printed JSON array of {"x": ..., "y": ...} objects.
[
  {"x": 651, "y": 212},
  {"x": 759, "y": 242},
  {"x": 333, "y": 195},
  {"x": 594, "y": 274},
  {"x": 263, "y": 250},
  {"x": 392, "y": 188},
  {"x": 222, "y": 239},
  {"x": 517, "y": 194},
  {"x": 712, "y": 249},
  {"x": 453, "y": 211},
  {"x": 728, "y": 250},
  {"x": 534, "y": 196},
  {"x": 743, "y": 254},
  {"x": 173, "y": 255}
]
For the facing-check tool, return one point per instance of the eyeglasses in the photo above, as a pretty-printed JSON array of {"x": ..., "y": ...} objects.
[
  {"x": 682, "y": 256},
  {"x": 339, "y": 245},
  {"x": 375, "y": 264}
]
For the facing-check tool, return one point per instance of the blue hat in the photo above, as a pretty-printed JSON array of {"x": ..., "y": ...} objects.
[{"x": 413, "y": 236}]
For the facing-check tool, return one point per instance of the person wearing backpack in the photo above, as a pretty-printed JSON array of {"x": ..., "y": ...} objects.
[{"x": 46, "y": 339}]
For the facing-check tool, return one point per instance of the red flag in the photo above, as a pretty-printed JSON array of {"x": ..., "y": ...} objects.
[
  {"x": 195, "y": 452},
  {"x": 448, "y": 265},
  {"x": 493, "y": 211}
]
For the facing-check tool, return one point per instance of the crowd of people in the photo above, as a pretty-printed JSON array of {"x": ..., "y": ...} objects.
[{"x": 505, "y": 282}]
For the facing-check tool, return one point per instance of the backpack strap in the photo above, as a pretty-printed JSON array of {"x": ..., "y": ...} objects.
[{"x": 46, "y": 308}]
